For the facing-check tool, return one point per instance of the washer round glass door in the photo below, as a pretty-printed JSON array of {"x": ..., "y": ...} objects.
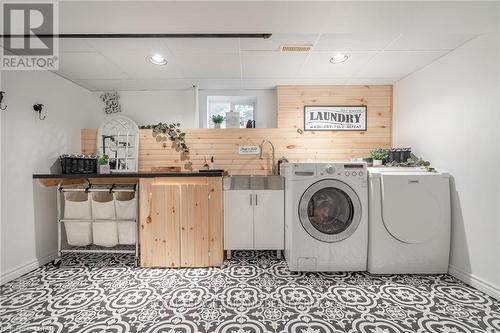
[{"x": 330, "y": 210}]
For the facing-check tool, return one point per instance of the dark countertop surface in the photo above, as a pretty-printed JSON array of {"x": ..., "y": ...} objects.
[{"x": 138, "y": 174}]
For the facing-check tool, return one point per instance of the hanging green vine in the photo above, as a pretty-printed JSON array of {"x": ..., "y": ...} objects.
[{"x": 172, "y": 132}]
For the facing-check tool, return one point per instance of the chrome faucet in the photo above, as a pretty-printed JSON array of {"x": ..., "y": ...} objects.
[{"x": 272, "y": 146}]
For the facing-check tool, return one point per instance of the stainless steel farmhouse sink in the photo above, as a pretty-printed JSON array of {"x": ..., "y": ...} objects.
[{"x": 250, "y": 182}]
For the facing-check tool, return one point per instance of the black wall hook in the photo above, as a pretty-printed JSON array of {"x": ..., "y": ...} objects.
[
  {"x": 38, "y": 108},
  {"x": 2, "y": 107}
]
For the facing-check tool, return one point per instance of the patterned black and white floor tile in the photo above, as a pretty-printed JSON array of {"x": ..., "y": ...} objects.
[{"x": 252, "y": 293}]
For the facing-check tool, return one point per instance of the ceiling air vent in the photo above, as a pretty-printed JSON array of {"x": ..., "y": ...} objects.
[{"x": 295, "y": 48}]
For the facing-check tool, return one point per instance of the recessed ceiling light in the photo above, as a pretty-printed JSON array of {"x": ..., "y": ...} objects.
[
  {"x": 157, "y": 59},
  {"x": 338, "y": 58}
]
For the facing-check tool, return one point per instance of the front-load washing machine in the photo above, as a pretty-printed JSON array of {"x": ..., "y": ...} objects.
[
  {"x": 409, "y": 221},
  {"x": 326, "y": 216}
]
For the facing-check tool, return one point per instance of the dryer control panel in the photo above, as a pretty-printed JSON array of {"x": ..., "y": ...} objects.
[{"x": 355, "y": 170}]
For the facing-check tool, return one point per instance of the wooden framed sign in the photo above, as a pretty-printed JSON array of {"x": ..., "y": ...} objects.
[{"x": 335, "y": 118}]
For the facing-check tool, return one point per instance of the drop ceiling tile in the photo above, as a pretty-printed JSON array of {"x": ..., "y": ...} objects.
[
  {"x": 137, "y": 84},
  {"x": 273, "y": 43},
  {"x": 318, "y": 65},
  {"x": 395, "y": 64},
  {"x": 74, "y": 45},
  {"x": 267, "y": 64},
  {"x": 202, "y": 45},
  {"x": 161, "y": 84},
  {"x": 354, "y": 42},
  {"x": 88, "y": 66},
  {"x": 185, "y": 66},
  {"x": 320, "y": 81},
  {"x": 430, "y": 41},
  {"x": 82, "y": 83},
  {"x": 266, "y": 83},
  {"x": 218, "y": 83},
  {"x": 371, "y": 81},
  {"x": 120, "y": 46}
]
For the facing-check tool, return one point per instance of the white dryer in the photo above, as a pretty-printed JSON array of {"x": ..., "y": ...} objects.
[
  {"x": 409, "y": 221},
  {"x": 326, "y": 216}
]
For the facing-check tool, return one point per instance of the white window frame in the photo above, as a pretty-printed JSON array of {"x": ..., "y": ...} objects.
[{"x": 233, "y": 100}]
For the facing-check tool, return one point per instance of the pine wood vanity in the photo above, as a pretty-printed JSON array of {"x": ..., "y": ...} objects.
[
  {"x": 180, "y": 222},
  {"x": 180, "y": 214}
]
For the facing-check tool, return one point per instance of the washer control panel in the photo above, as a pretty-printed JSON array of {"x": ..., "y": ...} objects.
[
  {"x": 342, "y": 169},
  {"x": 330, "y": 169}
]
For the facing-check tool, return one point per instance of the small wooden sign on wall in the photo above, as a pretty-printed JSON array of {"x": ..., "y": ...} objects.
[
  {"x": 335, "y": 118},
  {"x": 248, "y": 150}
]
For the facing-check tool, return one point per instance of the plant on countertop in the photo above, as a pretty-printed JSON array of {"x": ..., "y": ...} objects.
[
  {"x": 103, "y": 160},
  {"x": 415, "y": 162},
  {"x": 378, "y": 154},
  {"x": 217, "y": 119},
  {"x": 172, "y": 132}
]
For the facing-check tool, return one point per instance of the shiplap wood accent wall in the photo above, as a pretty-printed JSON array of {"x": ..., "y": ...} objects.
[
  {"x": 378, "y": 99},
  {"x": 289, "y": 139}
]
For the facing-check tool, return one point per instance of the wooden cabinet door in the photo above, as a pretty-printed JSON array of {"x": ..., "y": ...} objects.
[
  {"x": 194, "y": 226},
  {"x": 215, "y": 221},
  {"x": 181, "y": 222},
  {"x": 269, "y": 220},
  {"x": 202, "y": 224},
  {"x": 238, "y": 220},
  {"x": 159, "y": 224}
]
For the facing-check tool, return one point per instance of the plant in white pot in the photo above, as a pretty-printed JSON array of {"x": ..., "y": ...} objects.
[
  {"x": 103, "y": 164},
  {"x": 217, "y": 119},
  {"x": 378, "y": 156}
]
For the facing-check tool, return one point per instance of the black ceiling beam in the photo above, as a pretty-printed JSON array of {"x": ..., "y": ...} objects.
[{"x": 180, "y": 35}]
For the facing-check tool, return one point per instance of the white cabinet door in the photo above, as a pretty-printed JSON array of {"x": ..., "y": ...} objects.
[
  {"x": 238, "y": 220},
  {"x": 269, "y": 220}
]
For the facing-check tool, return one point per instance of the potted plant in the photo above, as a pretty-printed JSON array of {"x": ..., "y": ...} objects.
[
  {"x": 217, "y": 119},
  {"x": 103, "y": 164},
  {"x": 378, "y": 155}
]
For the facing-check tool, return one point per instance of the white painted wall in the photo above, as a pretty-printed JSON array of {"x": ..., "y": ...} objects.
[
  {"x": 448, "y": 113},
  {"x": 28, "y": 145},
  {"x": 152, "y": 107}
]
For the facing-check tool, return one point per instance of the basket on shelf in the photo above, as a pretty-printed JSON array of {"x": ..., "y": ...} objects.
[{"x": 78, "y": 163}]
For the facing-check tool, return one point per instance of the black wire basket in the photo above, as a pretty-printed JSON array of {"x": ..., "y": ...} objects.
[{"x": 76, "y": 164}]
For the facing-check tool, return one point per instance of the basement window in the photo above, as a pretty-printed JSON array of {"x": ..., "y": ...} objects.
[{"x": 219, "y": 105}]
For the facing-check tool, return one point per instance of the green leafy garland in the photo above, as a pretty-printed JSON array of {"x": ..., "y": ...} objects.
[
  {"x": 413, "y": 161},
  {"x": 172, "y": 132}
]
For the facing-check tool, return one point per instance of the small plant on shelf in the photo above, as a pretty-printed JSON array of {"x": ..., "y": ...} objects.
[
  {"x": 217, "y": 119},
  {"x": 378, "y": 155},
  {"x": 103, "y": 164},
  {"x": 171, "y": 132},
  {"x": 103, "y": 160}
]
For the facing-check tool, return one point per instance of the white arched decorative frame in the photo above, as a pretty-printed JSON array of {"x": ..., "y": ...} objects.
[{"x": 118, "y": 137}]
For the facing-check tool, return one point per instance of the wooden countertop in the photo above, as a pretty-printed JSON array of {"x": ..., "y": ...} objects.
[
  {"x": 54, "y": 179},
  {"x": 146, "y": 174}
]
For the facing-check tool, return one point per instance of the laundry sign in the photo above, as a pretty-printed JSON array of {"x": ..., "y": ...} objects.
[{"x": 335, "y": 118}]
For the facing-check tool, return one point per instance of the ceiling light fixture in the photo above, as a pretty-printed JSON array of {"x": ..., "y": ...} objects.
[
  {"x": 338, "y": 58},
  {"x": 157, "y": 59}
]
